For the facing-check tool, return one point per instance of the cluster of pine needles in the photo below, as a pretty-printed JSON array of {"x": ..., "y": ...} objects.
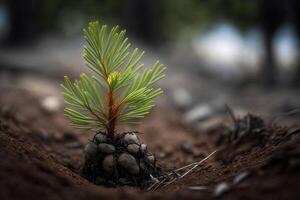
[{"x": 121, "y": 90}]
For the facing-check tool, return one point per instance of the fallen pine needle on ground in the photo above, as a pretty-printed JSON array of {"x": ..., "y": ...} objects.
[{"x": 174, "y": 175}]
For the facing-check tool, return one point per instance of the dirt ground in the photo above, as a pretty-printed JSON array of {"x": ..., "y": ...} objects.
[{"x": 41, "y": 155}]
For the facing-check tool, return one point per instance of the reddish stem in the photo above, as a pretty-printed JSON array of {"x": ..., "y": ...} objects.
[{"x": 111, "y": 115}]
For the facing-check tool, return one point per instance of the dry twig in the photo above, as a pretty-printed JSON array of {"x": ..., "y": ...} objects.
[{"x": 174, "y": 175}]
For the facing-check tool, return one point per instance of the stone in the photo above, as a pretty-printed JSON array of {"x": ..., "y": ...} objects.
[
  {"x": 185, "y": 148},
  {"x": 143, "y": 147},
  {"x": 51, "y": 104},
  {"x": 108, "y": 163},
  {"x": 205, "y": 112},
  {"x": 123, "y": 181},
  {"x": 221, "y": 188},
  {"x": 241, "y": 177},
  {"x": 101, "y": 138},
  {"x": 199, "y": 113},
  {"x": 128, "y": 162},
  {"x": 69, "y": 136},
  {"x": 133, "y": 148},
  {"x": 151, "y": 158},
  {"x": 197, "y": 188},
  {"x": 45, "y": 136},
  {"x": 182, "y": 98},
  {"x": 143, "y": 165},
  {"x": 162, "y": 155},
  {"x": 58, "y": 137},
  {"x": 73, "y": 145},
  {"x": 106, "y": 148},
  {"x": 131, "y": 138},
  {"x": 90, "y": 149}
]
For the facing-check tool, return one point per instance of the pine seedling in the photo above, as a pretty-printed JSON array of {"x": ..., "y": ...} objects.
[{"x": 120, "y": 91}]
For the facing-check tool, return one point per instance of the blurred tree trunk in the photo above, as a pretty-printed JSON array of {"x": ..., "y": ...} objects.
[
  {"x": 144, "y": 19},
  {"x": 272, "y": 15},
  {"x": 23, "y": 20},
  {"x": 294, "y": 9},
  {"x": 269, "y": 68}
]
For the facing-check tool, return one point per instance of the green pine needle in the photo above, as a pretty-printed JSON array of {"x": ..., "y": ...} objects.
[{"x": 120, "y": 91}]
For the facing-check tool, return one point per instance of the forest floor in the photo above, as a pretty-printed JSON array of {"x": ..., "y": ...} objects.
[{"x": 41, "y": 155}]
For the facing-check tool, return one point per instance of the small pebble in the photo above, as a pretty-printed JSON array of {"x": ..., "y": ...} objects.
[
  {"x": 199, "y": 113},
  {"x": 131, "y": 138},
  {"x": 123, "y": 181},
  {"x": 151, "y": 158},
  {"x": 143, "y": 165},
  {"x": 106, "y": 148},
  {"x": 58, "y": 137},
  {"x": 128, "y": 162},
  {"x": 186, "y": 149},
  {"x": 51, "y": 104},
  {"x": 197, "y": 188},
  {"x": 45, "y": 136},
  {"x": 73, "y": 145},
  {"x": 182, "y": 98},
  {"x": 143, "y": 147},
  {"x": 69, "y": 136},
  {"x": 90, "y": 149},
  {"x": 108, "y": 163},
  {"x": 221, "y": 188},
  {"x": 101, "y": 138},
  {"x": 133, "y": 148},
  {"x": 162, "y": 155},
  {"x": 239, "y": 178}
]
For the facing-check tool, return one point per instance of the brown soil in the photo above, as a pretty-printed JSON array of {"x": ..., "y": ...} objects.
[{"x": 41, "y": 156}]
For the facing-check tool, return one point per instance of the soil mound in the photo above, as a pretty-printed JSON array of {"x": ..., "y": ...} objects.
[{"x": 122, "y": 161}]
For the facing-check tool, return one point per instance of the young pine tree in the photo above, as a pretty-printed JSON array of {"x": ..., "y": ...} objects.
[{"x": 120, "y": 91}]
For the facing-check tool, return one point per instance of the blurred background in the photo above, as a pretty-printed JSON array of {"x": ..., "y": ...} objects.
[{"x": 241, "y": 53}]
